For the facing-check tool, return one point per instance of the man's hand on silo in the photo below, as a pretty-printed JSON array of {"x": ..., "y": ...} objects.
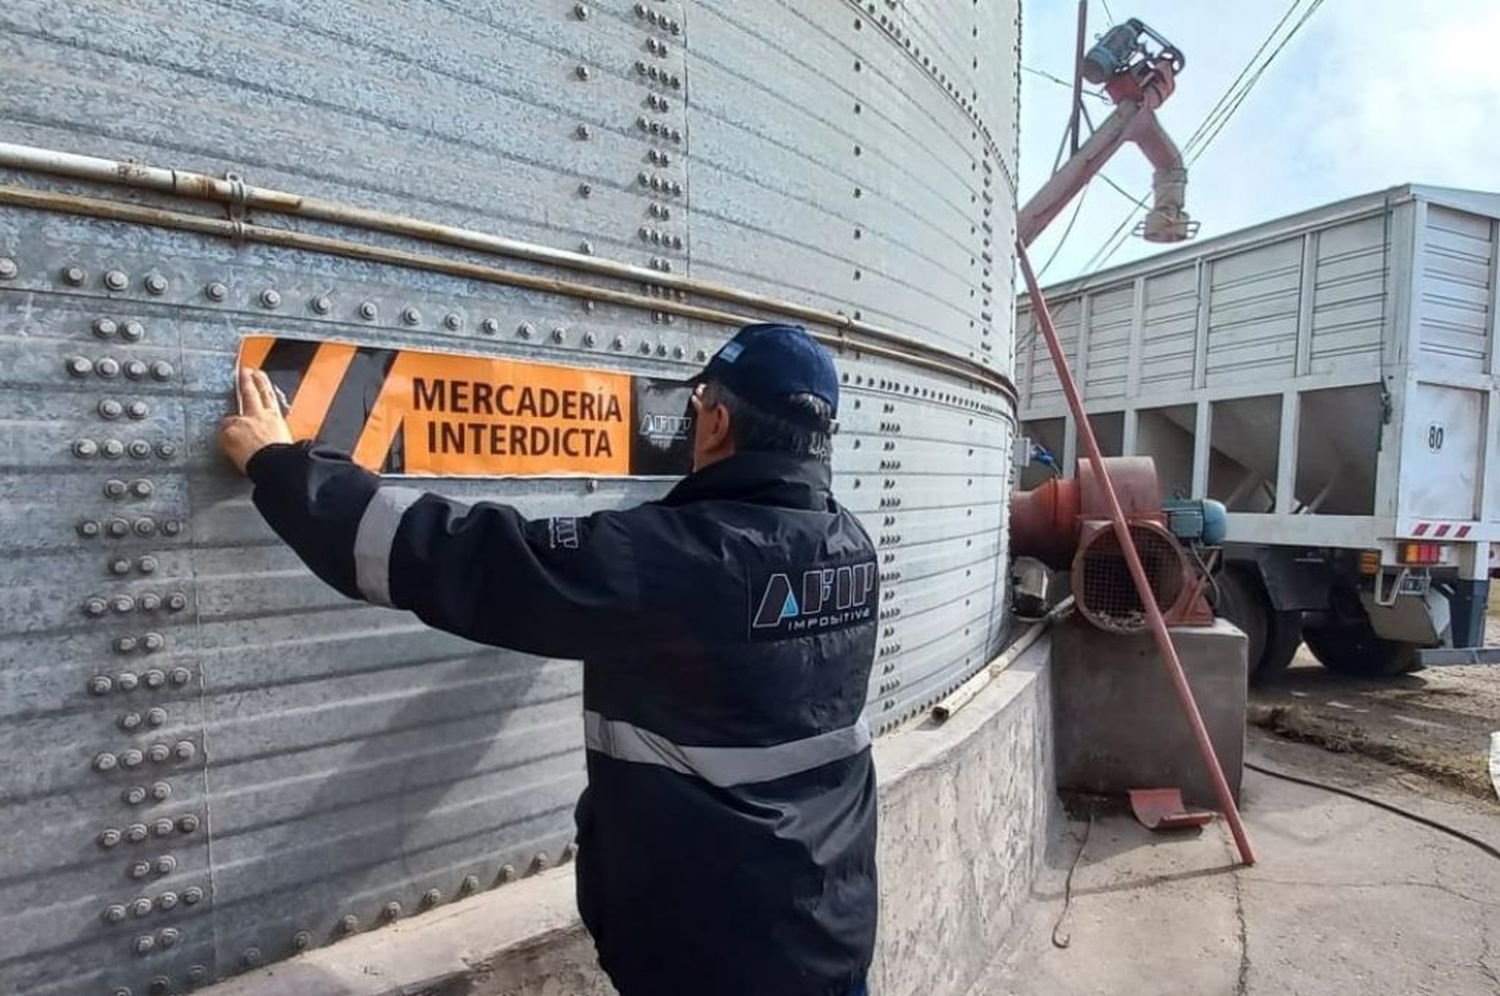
[{"x": 259, "y": 424}]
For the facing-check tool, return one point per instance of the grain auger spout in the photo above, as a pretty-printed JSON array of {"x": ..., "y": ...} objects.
[{"x": 1138, "y": 69}]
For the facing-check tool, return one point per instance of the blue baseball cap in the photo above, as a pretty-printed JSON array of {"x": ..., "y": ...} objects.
[{"x": 767, "y": 363}]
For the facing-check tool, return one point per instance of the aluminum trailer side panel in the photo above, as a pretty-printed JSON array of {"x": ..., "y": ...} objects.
[
  {"x": 1330, "y": 375},
  {"x": 217, "y": 761}
]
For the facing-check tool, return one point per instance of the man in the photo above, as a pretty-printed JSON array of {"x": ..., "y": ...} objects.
[{"x": 727, "y": 834}]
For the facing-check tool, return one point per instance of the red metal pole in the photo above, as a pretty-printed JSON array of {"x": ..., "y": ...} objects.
[{"x": 1133, "y": 560}]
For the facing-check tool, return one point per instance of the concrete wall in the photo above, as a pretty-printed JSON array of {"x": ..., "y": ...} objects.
[{"x": 966, "y": 810}]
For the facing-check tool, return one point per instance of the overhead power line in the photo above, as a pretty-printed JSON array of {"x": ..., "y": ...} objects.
[
  {"x": 1106, "y": 250},
  {"x": 1250, "y": 83},
  {"x": 1137, "y": 201},
  {"x": 1202, "y": 125},
  {"x": 1052, "y": 77},
  {"x": 1067, "y": 230},
  {"x": 1078, "y": 206}
]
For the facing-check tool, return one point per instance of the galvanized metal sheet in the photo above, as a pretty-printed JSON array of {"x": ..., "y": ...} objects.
[
  {"x": 170, "y": 674},
  {"x": 1443, "y": 435},
  {"x": 765, "y": 137},
  {"x": 1171, "y": 320},
  {"x": 301, "y": 93}
]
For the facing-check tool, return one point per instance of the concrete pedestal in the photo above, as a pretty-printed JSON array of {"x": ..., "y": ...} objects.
[{"x": 1117, "y": 721}]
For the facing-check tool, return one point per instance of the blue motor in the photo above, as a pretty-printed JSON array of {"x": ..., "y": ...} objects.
[
  {"x": 1112, "y": 53},
  {"x": 1121, "y": 48},
  {"x": 1202, "y": 521}
]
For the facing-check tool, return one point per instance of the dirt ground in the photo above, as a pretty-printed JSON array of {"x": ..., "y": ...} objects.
[
  {"x": 1345, "y": 897},
  {"x": 1436, "y": 722}
]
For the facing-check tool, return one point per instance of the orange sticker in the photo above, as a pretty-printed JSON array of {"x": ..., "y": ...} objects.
[{"x": 417, "y": 412}]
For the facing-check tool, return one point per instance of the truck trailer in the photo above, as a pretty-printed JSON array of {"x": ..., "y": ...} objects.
[{"x": 1329, "y": 377}]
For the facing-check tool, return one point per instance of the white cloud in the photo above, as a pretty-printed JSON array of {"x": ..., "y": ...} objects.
[{"x": 1400, "y": 98}]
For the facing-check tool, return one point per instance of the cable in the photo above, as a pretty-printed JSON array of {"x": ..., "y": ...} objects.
[
  {"x": 1061, "y": 82},
  {"x": 1208, "y": 574},
  {"x": 1100, "y": 256},
  {"x": 1219, "y": 104},
  {"x": 1077, "y": 207},
  {"x": 1228, "y": 105},
  {"x": 1066, "y": 939},
  {"x": 1045, "y": 75},
  {"x": 1484, "y": 846},
  {"x": 1255, "y": 78},
  {"x": 1138, "y": 202},
  {"x": 1117, "y": 239},
  {"x": 1120, "y": 235},
  {"x": 1023, "y": 342}
]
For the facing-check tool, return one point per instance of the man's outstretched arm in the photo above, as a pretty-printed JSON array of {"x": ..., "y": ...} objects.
[{"x": 559, "y": 587}]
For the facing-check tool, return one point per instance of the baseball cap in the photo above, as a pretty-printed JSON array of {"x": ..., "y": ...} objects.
[{"x": 767, "y": 363}]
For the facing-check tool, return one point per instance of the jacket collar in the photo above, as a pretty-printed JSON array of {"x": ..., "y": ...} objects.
[{"x": 777, "y": 479}]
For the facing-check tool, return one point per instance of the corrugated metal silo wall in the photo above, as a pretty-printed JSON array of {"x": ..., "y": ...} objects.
[{"x": 324, "y": 759}]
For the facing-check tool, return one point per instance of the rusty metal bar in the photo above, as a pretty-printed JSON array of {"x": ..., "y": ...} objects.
[
  {"x": 47, "y": 200},
  {"x": 1133, "y": 560},
  {"x": 1073, "y": 116},
  {"x": 200, "y": 186}
]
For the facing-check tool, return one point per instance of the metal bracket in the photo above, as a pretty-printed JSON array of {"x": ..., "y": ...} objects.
[
  {"x": 1190, "y": 227},
  {"x": 1415, "y": 583},
  {"x": 1449, "y": 656},
  {"x": 1386, "y": 601},
  {"x": 235, "y": 207}
]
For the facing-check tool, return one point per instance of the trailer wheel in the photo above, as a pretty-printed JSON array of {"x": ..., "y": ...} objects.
[
  {"x": 1243, "y": 602},
  {"x": 1355, "y": 649},
  {"x": 1283, "y": 637}
]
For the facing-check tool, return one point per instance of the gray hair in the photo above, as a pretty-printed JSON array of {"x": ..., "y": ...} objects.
[{"x": 757, "y": 430}]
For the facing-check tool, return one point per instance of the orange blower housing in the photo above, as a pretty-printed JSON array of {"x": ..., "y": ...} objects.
[{"x": 1065, "y": 524}]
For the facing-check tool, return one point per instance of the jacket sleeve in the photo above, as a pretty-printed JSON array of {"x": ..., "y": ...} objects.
[{"x": 560, "y": 587}]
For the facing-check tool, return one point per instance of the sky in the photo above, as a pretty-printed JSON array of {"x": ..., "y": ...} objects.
[{"x": 1369, "y": 94}]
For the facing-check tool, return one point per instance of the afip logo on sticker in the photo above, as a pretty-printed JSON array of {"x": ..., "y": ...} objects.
[
  {"x": 832, "y": 598},
  {"x": 665, "y": 427}
]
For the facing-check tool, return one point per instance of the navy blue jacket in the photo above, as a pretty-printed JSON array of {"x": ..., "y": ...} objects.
[{"x": 727, "y": 835}]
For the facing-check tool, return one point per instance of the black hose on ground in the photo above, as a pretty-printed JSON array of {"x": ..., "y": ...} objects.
[
  {"x": 1407, "y": 814},
  {"x": 1059, "y": 939}
]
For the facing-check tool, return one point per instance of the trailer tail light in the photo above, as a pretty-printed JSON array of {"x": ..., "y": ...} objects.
[
  {"x": 1421, "y": 553},
  {"x": 1369, "y": 562}
]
